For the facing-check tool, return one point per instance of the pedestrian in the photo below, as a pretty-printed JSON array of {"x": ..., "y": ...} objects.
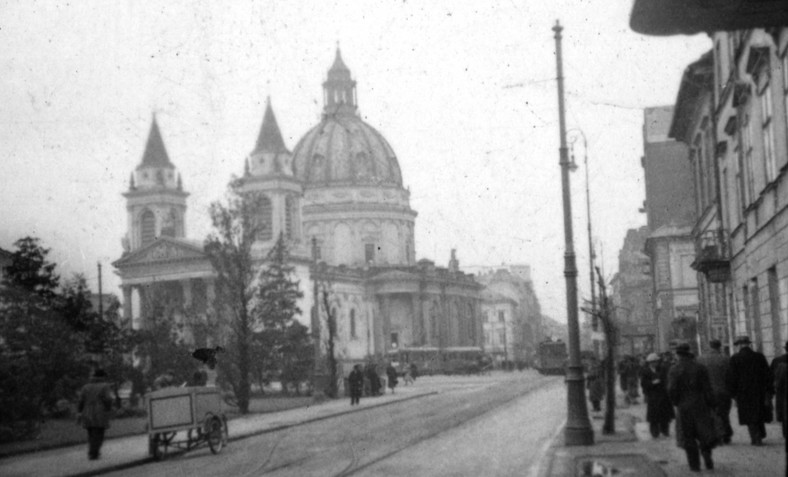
[
  {"x": 749, "y": 382},
  {"x": 414, "y": 371},
  {"x": 407, "y": 377},
  {"x": 374, "y": 379},
  {"x": 356, "y": 382},
  {"x": 779, "y": 387},
  {"x": 95, "y": 405},
  {"x": 595, "y": 383},
  {"x": 689, "y": 389},
  {"x": 718, "y": 365},
  {"x": 659, "y": 411},
  {"x": 391, "y": 375}
]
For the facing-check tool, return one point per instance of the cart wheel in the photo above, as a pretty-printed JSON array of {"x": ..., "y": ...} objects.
[{"x": 215, "y": 434}]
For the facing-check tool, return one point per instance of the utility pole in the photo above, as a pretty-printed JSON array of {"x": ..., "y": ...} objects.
[
  {"x": 578, "y": 430},
  {"x": 101, "y": 297},
  {"x": 316, "y": 310}
]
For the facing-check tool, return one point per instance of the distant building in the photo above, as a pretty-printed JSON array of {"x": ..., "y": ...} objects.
[
  {"x": 631, "y": 292},
  {"x": 513, "y": 282},
  {"x": 502, "y": 338},
  {"x": 670, "y": 211}
]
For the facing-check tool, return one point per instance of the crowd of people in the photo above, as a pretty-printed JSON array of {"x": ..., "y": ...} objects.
[
  {"x": 698, "y": 394},
  {"x": 367, "y": 381}
]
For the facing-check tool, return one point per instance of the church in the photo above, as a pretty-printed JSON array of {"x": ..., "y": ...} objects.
[{"x": 339, "y": 201}]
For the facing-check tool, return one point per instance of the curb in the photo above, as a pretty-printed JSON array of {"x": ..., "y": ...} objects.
[{"x": 148, "y": 459}]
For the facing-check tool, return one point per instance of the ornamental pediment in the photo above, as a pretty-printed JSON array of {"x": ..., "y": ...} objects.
[{"x": 162, "y": 250}]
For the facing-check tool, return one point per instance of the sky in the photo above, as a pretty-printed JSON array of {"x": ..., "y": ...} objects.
[{"x": 464, "y": 91}]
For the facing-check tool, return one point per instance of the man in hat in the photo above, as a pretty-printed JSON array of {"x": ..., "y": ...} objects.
[
  {"x": 690, "y": 391},
  {"x": 654, "y": 381},
  {"x": 749, "y": 382},
  {"x": 777, "y": 369},
  {"x": 718, "y": 364},
  {"x": 95, "y": 404}
]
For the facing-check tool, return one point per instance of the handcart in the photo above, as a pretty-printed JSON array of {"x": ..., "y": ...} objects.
[{"x": 184, "y": 418}]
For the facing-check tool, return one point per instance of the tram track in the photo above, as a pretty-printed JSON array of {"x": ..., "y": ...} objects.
[{"x": 463, "y": 416}]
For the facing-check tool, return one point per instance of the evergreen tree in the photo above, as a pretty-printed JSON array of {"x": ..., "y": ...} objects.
[{"x": 280, "y": 339}]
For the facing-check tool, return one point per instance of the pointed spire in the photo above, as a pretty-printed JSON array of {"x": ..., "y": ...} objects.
[
  {"x": 270, "y": 138},
  {"x": 180, "y": 182},
  {"x": 155, "y": 153},
  {"x": 132, "y": 186},
  {"x": 339, "y": 66}
]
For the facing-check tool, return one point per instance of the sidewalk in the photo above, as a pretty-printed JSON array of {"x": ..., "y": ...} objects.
[
  {"x": 633, "y": 452},
  {"x": 124, "y": 452}
]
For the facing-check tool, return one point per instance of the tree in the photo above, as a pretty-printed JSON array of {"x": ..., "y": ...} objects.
[
  {"x": 280, "y": 340},
  {"x": 40, "y": 353},
  {"x": 604, "y": 313},
  {"x": 331, "y": 358},
  {"x": 236, "y": 225}
]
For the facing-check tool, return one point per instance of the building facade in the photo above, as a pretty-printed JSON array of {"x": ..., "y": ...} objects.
[
  {"x": 339, "y": 201},
  {"x": 670, "y": 211},
  {"x": 732, "y": 109},
  {"x": 631, "y": 291}
]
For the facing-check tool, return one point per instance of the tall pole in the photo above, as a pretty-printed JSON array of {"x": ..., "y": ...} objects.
[
  {"x": 591, "y": 254},
  {"x": 316, "y": 310},
  {"x": 578, "y": 429},
  {"x": 101, "y": 298}
]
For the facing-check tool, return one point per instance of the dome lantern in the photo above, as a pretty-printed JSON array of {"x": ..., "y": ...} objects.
[{"x": 339, "y": 89}]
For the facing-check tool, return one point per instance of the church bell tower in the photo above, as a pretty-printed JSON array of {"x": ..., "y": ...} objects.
[{"x": 155, "y": 200}]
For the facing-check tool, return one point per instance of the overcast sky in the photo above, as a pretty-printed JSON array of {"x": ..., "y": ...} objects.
[{"x": 464, "y": 92}]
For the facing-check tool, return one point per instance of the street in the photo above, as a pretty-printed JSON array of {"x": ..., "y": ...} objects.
[{"x": 490, "y": 425}]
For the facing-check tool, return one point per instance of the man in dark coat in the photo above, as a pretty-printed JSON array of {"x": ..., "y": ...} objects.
[
  {"x": 356, "y": 382},
  {"x": 659, "y": 411},
  {"x": 779, "y": 401},
  {"x": 690, "y": 391},
  {"x": 391, "y": 375},
  {"x": 595, "y": 382},
  {"x": 749, "y": 382},
  {"x": 718, "y": 365},
  {"x": 95, "y": 404}
]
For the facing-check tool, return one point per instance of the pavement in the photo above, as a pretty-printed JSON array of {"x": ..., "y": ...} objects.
[
  {"x": 130, "y": 451},
  {"x": 631, "y": 451}
]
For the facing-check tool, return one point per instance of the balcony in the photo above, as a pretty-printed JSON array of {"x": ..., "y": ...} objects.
[{"x": 712, "y": 256}]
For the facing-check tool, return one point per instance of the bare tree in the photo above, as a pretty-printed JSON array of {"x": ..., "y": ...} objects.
[{"x": 331, "y": 325}]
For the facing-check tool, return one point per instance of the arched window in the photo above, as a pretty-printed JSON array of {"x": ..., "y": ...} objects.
[
  {"x": 170, "y": 224},
  {"x": 290, "y": 217},
  {"x": 147, "y": 227},
  {"x": 264, "y": 218},
  {"x": 353, "y": 324}
]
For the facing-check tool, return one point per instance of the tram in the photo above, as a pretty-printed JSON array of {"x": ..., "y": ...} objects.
[
  {"x": 552, "y": 357},
  {"x": 433, "y": 360}
]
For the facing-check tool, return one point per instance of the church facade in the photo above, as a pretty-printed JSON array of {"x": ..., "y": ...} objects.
[{"x": 338, "y": 199}]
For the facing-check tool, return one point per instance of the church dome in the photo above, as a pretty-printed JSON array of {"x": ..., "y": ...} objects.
[{"x": 342, "y": 149}]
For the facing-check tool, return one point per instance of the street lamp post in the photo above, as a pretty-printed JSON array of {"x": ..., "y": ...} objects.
[
  {"x": 578, "y": 429},
  {"x": 591, "y": 253}
]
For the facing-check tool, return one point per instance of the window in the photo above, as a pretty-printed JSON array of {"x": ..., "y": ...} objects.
[
  {"x": 353, "y": 324},
  {"x": 369, "y": 252},
  {"x": 768, "y": 132},
  {"x": 785, "y": 84},
  {"x": 147, "y": 227},
  {"x": 289, "y": 216},
  {"x": 264, "y": 218},
  {"x": 502, "y": 317},
  {"x": 395, "y": 340},
  {"x": 746, "y": 133}
]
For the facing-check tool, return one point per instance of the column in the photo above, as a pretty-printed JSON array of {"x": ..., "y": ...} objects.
[
  {"x": 210, "y": 292},
  {"x": 127, "y": 303},
  {"x": 187, "y": 293},
  {"x": 415, "y": 310}
]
